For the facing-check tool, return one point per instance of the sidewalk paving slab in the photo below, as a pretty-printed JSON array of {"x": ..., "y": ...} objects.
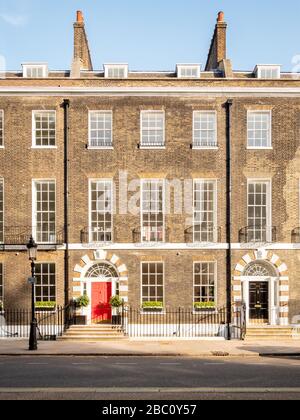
[{"x": 153, "y": 348}]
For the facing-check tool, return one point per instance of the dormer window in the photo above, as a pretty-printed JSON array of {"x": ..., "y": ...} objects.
[
  {"x": 35, "y": 71},
  {"x": 188, "y": 71},
  {"x": 267, "y": 71},
  {"x": 116, "y": 71}
]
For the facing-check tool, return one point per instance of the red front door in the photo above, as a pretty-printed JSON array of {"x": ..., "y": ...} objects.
[{"x": 101, "y": 309}]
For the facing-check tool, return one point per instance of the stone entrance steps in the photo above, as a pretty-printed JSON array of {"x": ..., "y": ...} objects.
[
  {"x": 93, "y": 333},
  {"x": 269, "y": 333}
]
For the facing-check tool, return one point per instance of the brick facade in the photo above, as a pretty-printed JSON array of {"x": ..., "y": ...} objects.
[{"x": 20, "y": 164}]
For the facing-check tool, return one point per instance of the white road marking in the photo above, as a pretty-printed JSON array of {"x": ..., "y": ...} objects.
[
  {"x": 126, "y": 364},
  {"x": 38, "y": 364},
  {"x": 81, "y": 364},
  {"x": 170, "y": 364},
  {"x": 151, "y": 390},
  {"x": 214, "y": 364}
]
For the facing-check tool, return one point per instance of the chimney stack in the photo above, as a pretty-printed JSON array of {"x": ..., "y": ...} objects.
[
  {"x": 80, "y": 17},
  {"x": 82, "y": 57},
  {"x": 217, "y": 52}
]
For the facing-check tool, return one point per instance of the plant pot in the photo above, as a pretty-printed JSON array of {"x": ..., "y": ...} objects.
[
  {"x": 80, "y": 320},
  {"x": 153, "y": 310},
  {"x": 46, "y": 309},
  {"x": 212, "y": 309},
  {"x": 116, "y": 320}
]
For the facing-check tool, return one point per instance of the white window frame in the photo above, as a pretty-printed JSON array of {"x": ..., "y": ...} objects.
[
  {"x": 162, "y": 181},
  {"x": 34, "y": 208},
  {"x": 3, "y": 233},
  {"x": 215, "y": 147},
  {"x": 153, "y": 147},
  {"x": 263, "y": 67},
  {"x": 90, "y": 146},
  {"x": 108, "y": 180},
  {"x": 215, "y": 210},
  {"x": 269, "y": 223},
  {"x": 37, "y": 66},
  {"x": 270, "y": 140},
  {"x": 2, "y": 118},
  {"x": 55, "y": 265},
  {"x": 215, "y": 282},
  {"x": 181, "y": 67},
  {"x": 115, "y": 66},
  {"x": 164, "y": 284},
  {"x": 43, "y": 111}
]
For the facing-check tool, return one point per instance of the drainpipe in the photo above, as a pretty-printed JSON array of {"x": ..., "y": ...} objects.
[
  {"x": 228, "y": 217},
  {"x": 66, "y": 106}
]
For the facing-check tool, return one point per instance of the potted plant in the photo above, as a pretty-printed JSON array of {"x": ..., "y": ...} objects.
[
  {"x": 45, "y": 306},
  {"x": 153, "y": 306},
  {"x": 116, "y": 302},
  {"x": 204, "y": 306},
  {"x": 1, "y": 306},
  {"x": 80, "y": 303}
]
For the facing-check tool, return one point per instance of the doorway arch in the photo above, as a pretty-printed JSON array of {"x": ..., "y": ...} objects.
[
  {"x": 264, "y": 273},
  {"x": 96, "y": 270}
]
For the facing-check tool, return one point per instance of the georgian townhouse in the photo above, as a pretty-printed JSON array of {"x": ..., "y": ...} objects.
[{"x": 170, "y": 189}]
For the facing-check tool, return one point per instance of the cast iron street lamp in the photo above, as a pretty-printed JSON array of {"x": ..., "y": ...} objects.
[{"x": 32, "y": 252}]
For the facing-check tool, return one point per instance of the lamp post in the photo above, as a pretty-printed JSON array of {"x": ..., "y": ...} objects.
[{"x": 32, "y": 253}]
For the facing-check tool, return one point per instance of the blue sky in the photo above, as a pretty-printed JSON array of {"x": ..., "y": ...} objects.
[{"x": 149, "y": 34}]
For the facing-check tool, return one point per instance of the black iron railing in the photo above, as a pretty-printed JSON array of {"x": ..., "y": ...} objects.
[
  {"x": 203, "y": 144},
  {"x": 184, "y": 322},
  {"x": 20, "y": 235},
  {"x": 151, "y": 145},
  {"x": 150, "y": 235},
  {"x": 296, "y": 236},
  {"x": 202, "y": 233},
  {"x": 15, "y": 323},
  {"x": 258, "y": 234},
  {"x": 101, "y": 144},
  {"x": 95, "y": 235}
]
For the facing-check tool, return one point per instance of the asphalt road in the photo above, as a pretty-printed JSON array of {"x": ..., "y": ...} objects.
[{"x": 140, "y": 378}]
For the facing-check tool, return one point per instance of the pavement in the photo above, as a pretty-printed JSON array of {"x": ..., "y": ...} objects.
[{"x": 166, "y": 348}]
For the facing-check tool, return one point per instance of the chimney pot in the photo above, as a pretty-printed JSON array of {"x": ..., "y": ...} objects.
[
  {"x": 221, "y": 17},
  {"x": 80, "y": 17}
]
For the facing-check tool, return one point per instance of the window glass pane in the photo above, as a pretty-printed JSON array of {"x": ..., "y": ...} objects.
[
  {"x": 101, "y": 129},
  {"x": 205, "y": 129},
  {"x": 259, "y": 132},
  {"x": 45, "y": 215},
  {"x": 205, "y": 229},
  {"x": 258, "y": 224},
  {"x": 152, "y": 211},
  {"x": 152, "y": 282},
  {"x": 152, "y": 129},
  {"x": 44, "y": 128},
  {"x": 101, "y": 207},
  {"x": 204, "y": 282},
  {"x": 45, "y": 288}
]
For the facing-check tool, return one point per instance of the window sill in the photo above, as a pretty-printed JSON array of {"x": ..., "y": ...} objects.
[
  {"x": 1, "y": 147},
  {"x": 47, "y": 311},
  {"x": 100, "y": 148},
  {"x": 259, "y": 148},
  {"x": 162, "y": 312},
  {"x": 44, "y": 147},
  {"x": 205, "y": 147},
  {"x": 205, "y": 312},
  {"x": 152, "y": 147}
]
